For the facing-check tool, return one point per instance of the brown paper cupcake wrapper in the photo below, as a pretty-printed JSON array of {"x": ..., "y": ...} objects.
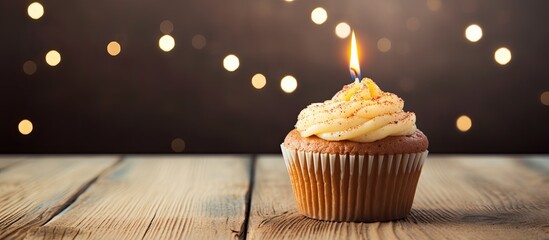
[{"x": 362, "y": 188}]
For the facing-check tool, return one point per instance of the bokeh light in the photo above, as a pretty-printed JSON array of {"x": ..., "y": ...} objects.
[
  {"x": 288, "y": 84},
  {"x": 473, "y": 33},
  {"x": 342, "y": 30},
  {"x": 434, "y": 5},
  {"x": 198, "y": 41},
  {"x": 231, "y": 63},
  {"x": 502, "y": 56},
  {"x": 464, "y": 123},
  {"x": 166, "y": 43},
  {"x": 53, "y": 58},
  {"x": 29, "y": 67},
  {"x": 113, "y": 48},
  {"x": 35, "y": 10},
  {"x": 319, "y": 15},
  {"x": 384, "y": 44},
  {"x": 166, "y": 27},
  {"x": 178, "y": 145},
  {"x": 413, "y": 24},
  {"x": 544, "y": 98},
  {"x": 447, "y": 34},
  {"x": 25, "y": 127},
  {"x": 259, "y": 81}
]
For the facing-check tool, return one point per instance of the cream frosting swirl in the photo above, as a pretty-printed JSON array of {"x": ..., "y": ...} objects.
[{"x": 360, "y": 112}]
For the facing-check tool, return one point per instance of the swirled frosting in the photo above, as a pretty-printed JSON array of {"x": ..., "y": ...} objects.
[{"x": 360, "y": 112}]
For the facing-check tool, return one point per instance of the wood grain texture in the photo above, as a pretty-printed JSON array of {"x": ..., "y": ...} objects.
[
  {"x": 189, "y": 197},
  {"x": 33, "y": 191},
  {"x": 8, "y": 161},
  {"x": 457, "y": 198}
]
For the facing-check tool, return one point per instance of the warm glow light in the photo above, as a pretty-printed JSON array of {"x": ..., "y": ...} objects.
[
  {"x": 464, "y": 123},
  {"x": 231, "y": 63},
  {"x": 259, "y": 81},
  {"x": 35, "y": 10},
  {"x": 178, "y": 145},
  {"x": 434, "y": 5},
  {"x": 544, "y": 98},
  {"x": 166, "y": 43},
  {"x": 354, "y": 66},
  {"x": 25, "y": 127},
  {"x": 319, "y": 15},
  {"x": 384, "y": 44},
  {"x": 288, "y": 84},
  {"x": 412, "y": 24},
  {"x": 166, "y": 27},
  {"x": 53, "y": 58},
  {"x": 113, "y": 48},
  {"x": 343, "y": 30},
  {"x": 289, "y": 0},
  {"x": 502, "y": 56},
  {"x": 29, "y": 67},
  {"x": 473, "y": 33},
  {"x": 198, "y": 41}
]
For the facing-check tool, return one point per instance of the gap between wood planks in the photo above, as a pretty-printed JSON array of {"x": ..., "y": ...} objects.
[
  {"x": 244, "y": 228},
  {"x": 82, "y": 189}
]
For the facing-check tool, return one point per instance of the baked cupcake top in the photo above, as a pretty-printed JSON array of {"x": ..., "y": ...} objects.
[
  {"x": 414, "y": 143},
  {"x": 360, "y": 112}
]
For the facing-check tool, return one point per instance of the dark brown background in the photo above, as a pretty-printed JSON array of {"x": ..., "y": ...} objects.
[{"x": 142, "y": 99}]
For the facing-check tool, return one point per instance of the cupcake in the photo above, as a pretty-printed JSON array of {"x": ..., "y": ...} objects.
[{"x": 356, "y": 157}]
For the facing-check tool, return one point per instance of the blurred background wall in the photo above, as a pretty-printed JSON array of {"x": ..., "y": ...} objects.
[{"x": 148, "y": 76}]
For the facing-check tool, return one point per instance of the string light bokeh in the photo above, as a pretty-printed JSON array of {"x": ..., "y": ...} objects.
[
  {"x": 384, "y": 44},
  {"x": 166, "y": 43},
  {"x": 53, "y": 58},
  {"x": 202, "y": 76},
  {"x": 343, "y": 30},
  {"x": 259, "y": 81},
  {"x": 231, "y": 63},
  {"x": 502, "y": 56},
  {"x": 473, "y": 33},
  {"x": 464, "y": 123},
  {"x": 25, "y": 127},
  {"x": 114, "y": 48},
  {"x": 29, "y": 67},
  {"x": 288, "y": 84},
  {"x": 35, "y": 10},
  {"x": 319, "y": 15}
]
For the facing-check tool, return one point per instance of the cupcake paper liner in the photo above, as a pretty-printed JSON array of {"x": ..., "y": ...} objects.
[{"x": 360, "y": 188}]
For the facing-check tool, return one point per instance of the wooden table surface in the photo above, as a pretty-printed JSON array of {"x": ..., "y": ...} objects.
[{"x": 249, "y": 196}]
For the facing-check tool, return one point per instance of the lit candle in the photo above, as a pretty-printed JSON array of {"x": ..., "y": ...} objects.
[{"x": 354, "y": 66}]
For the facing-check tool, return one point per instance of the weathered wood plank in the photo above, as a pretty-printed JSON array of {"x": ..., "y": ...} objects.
[
  {"x": 8, "y": 161},
  {"x": 33, "y": 191},
  {"x": 457, "y": 198},
  {"x": 180, "y": 197}
]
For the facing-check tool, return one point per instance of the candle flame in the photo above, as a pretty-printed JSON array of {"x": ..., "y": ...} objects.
[{"x": 354, "y": 66}]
